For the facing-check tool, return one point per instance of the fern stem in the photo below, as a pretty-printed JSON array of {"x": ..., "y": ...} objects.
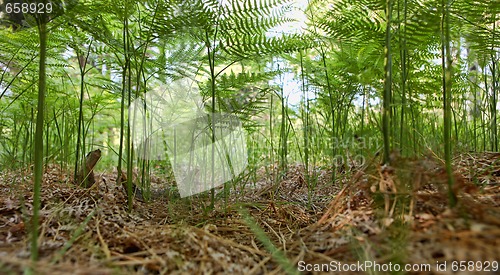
[{"x": 386, "y": 110}]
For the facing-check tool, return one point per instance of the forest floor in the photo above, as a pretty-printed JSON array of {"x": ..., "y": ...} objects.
[{"x": 384, "y": 216}]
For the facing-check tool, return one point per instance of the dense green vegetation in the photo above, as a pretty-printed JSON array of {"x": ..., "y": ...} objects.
[{"x": 368, "y": 78}]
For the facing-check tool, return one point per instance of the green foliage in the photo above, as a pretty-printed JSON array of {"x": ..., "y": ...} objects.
[{"x": 230, "y": 49}]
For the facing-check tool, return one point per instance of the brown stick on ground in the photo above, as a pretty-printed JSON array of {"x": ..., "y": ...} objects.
[{"x": 85, "y": 177}]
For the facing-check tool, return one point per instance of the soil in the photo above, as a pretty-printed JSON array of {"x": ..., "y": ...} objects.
[{"x": 380, "y": 215}]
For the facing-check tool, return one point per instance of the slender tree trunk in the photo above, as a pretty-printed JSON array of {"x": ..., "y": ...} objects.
[
  {"x": 363, "y": 107},
  {"x": 483, "y": 115},
  {"x": 130, "y": 148},
  {"x": 494, "y": 88},
  {"x": 80, "y": 136},
  {"x": 494, "y": 126},
  {"x": 386, "y": 110},
  {"x": 211, "y": 61},
  {"x": 404, "y": 74},
  {"x": 38, "y": 167},
  {"x": 283, "y": 135},
  {"x": 447, "y": 82},
  {"x": 125, "y": 86},
  {"x": 330, "y": 101},
  {"x": 305, "y": 121}
]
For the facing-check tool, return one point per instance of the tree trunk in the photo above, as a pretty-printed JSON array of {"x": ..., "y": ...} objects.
[{"x": 85, "y": 177}]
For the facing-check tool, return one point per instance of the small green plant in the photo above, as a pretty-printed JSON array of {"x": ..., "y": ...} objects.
[{"x": 277, "y": 254}]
